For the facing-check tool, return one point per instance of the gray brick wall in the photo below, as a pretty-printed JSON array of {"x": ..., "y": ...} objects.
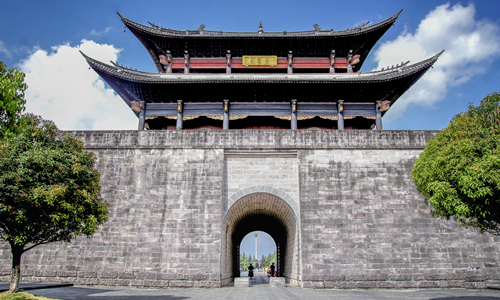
[
  {"x": 365, "y": 225},
  {"x": 361, "y": 221}
]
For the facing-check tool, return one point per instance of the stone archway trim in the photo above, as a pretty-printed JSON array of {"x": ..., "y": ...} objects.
[{"x": 263, "y": 189}]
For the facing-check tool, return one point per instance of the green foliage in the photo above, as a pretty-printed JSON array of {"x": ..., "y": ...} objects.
[
  {"x": 244, "y": 262},
  {"x": 12, "y": 101},
  {"x": 266, "y": 260},
  {"x": 49, "y": 188},
  {"x": 459, "y": 171},
  {"x": 21, "y": 296}
]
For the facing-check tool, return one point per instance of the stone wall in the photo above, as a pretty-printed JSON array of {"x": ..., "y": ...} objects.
[
  {"x": 360, "y": 222},
  {"x": 365, "y": 225},
  {"x": 164, "y": 227}
]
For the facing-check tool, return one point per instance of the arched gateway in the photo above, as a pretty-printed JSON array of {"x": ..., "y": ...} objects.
[{"x": 260, "y": 208}]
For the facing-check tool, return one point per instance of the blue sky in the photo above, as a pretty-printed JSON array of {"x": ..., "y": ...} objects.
[
  {"x": 265, "y": 244},
  {"x": 42, "y": 38}
]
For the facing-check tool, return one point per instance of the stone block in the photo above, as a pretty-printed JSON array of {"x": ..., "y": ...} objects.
[
  {"x": 126, "y": 275},
  {"x": 67, "y": 274},
  {"x": 241, "y": 282},
  {"x": 87, "y": 274},
  {"x": 46, "y": 273},
  {"x": 137, "y": 282},
  {"x": 277, "y": 281},
  {"x": 121, "y": 282},
  {"x": 155, "y": 283},
  {"x": 28, "y": 272},
  {"x": 206, "y": 284},
  {"x": 199, "y": 277},
  {"x": 387, "y": 284},
  {"x": 181, "y": 283},
  {"x": 92, "y": 281},
  {"x": 108, "y": 275}
]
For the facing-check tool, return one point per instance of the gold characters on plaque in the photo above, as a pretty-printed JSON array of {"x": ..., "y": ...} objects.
[{"x": 260, "y": 60}]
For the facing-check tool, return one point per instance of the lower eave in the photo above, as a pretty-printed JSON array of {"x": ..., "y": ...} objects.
[{"x": 136, "y": 86}]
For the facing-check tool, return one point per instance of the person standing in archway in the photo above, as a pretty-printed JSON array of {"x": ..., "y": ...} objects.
[
  {"x": 272, "y": 270},
  {"x": 250, "y": 271}
]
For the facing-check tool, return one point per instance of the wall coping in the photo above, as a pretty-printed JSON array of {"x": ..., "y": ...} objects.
[{"x": 256, "y": 139}]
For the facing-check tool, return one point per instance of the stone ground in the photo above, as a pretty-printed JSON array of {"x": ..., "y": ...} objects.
[{"x": 260, "y": 289}]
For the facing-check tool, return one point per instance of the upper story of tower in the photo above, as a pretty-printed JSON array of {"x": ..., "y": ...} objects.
[{"x": 207, "y": 51}]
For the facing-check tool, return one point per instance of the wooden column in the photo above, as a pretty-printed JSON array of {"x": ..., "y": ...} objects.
[
  {"x": 378, "y": 120},
  {"x": 186, "y": 62},
  {"x": 349, "y": 59},
  {"x": 142, "y": 116},
  {"x": 332, "y": 62},
  {"x": 293, "y": 125},
  {"x": 228, "y": 62},
  {"x": 169, "y": 59},
  {"x": 178, "y": 125},
  {"x": 225, "y": 120},
  {"x": 289, "y": 63},
  {"x": 340, "y": 115}
]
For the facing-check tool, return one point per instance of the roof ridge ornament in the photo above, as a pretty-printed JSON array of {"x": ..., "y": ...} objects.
[
  {"x": 317, "y": 28},
  {"x": 362, "y": 26},
  {"x": 154, "y": 25},
  {"x": 261, "y": 31}
]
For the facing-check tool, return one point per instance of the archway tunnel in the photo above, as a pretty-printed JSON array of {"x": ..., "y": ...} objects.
[{"x": 261, "y": 212}]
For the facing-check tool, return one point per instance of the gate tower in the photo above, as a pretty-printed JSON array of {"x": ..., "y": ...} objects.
[
  {"x": 260, "y": 80},
  {"x": 336, "y": 197}
]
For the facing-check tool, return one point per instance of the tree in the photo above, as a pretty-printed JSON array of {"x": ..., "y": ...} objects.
[
  {"x": 12, "y": 100},
  {"x": 244, "y": 262},
  {"x": 458, "y": 172},
  {"x": 49, "y": 190}
]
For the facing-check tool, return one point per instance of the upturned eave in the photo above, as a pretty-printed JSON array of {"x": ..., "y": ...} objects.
[
  {"x": 149, "y": 77},
  {"x": 203, "y": 34}
]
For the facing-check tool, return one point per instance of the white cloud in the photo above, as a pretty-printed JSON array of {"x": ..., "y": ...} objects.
[
  {"x": 63, "y": 89},
  {"x": 106, "y": 30},
  {"x": 469, "y": 46},
  {"x": 4, "y": 50}
]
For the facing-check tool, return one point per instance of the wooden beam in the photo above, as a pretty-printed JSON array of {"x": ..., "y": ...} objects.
[
  {"x": 189, "y": 109},
  {"x": 203, "y": 109},
  {"x": 208, "y": 63},
  {"x": 359, "y": 109},
  {"x": 311, "y": 63},
  {"x": 260, "y": 109},
  {"x": 340, "y": 63},
  {"x": 316, "y": 109}
]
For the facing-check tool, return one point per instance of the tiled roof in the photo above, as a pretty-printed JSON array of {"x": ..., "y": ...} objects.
[{"x": 201, "y": 33}]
